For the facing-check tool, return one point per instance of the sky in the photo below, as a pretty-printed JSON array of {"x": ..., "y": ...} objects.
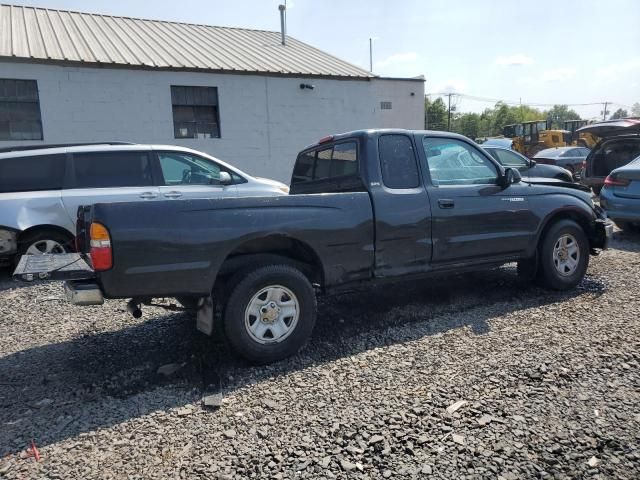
[{"x": 540, "y": 52}]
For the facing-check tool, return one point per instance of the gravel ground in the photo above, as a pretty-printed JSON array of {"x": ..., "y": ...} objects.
[{"x": 476, "y": 376}]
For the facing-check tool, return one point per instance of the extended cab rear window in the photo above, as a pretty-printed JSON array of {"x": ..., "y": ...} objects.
[
  {"x": 337, "y": 160},
  {"x": 32, "y": 173},
  {"x": 327, "y": 168}
]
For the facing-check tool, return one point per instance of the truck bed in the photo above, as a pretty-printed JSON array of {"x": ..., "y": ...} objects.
[{"x": 173, "y": 248}]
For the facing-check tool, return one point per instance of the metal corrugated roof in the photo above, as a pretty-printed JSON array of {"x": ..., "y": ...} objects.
[{"x": 40, "y": 34}]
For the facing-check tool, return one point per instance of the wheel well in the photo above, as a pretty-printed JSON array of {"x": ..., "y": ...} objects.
[
  {"x": 44, "y": 228},
  {"x": 269, "y": 250},
  {"x": 581, "y": 220}
]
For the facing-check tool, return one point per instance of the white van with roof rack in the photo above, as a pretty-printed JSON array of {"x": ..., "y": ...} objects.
[{"x": 41, "y": 187}]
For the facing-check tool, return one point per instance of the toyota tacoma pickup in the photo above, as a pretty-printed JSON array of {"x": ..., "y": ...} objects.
[{"x": 364, "y": 207}]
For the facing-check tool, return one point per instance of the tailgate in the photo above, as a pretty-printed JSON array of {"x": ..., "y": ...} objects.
[{"x": 66, "y": 266}]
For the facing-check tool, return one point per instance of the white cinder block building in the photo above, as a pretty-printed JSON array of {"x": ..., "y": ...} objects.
[{"x": 238, "y": 94}]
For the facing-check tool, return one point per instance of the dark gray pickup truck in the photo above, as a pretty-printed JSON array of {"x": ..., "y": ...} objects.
[{"x": 365, "y": 206}]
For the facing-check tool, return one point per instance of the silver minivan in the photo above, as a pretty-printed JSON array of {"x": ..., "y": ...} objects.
[{"x": 42, "y": 188}]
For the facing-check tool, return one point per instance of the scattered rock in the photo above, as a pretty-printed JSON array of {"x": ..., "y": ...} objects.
[
  {"x": 375, "y": 439},
  {"x": 454, "y": 407},
  {"x": 593, "y": 462},
  {"x": 347, "y": 466},
  {"x": 212, "y": 401},
  {"x": 485, "y": 420},
  {"x": 229, "y": 433},
  {"x": 459, "y": 439},
  {"x": 169, "y": 369}
]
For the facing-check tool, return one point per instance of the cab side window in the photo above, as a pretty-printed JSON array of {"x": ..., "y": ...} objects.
[
  {"x": 398, "y": 162},
  {"x": 454, "y": 162}
]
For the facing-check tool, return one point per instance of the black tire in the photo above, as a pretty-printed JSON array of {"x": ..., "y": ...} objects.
[
  {"x": 39, "y": 236},
  {"x": 241, "y": 295},
  {"x": 548, "y": 275}
]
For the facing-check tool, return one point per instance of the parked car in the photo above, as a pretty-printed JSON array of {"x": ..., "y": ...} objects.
[
  {"x": 619, "y": 144},
  {"x": 570, "y": 158},
  {"x": 41, "y": 188},
  {"x": 526, "y": 166},
  {"x": 620, "y": 195},
  {"x": 442, "y": 206}
]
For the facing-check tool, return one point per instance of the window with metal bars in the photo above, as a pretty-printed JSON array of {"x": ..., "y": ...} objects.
[
  {"x": 19, "y": 110},
  {"x": 195, "y": 112}
]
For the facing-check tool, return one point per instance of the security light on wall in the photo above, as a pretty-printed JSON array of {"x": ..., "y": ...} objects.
[{"x": 308, "y": 86}]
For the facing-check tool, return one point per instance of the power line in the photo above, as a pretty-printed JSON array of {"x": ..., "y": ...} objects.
[{"x": 518, "y": 103}]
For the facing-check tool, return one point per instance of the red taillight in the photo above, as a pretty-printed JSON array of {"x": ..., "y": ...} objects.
[
  {"x": 326, "y": 139},
  {"x": 101, "y": 253},
  {"x": 616, "y": 182}
]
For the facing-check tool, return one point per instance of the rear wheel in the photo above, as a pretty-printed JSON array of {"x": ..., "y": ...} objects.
[
  {"x": 564, "y": 256},
  {"x": 270, "y": 313},
  {"x": 45, "y": 241}
]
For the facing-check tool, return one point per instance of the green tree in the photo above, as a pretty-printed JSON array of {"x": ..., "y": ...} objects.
[
  {"x": 435, "y": 114},
  {"x": 559, "y": 114},
  {"x": 635, "y": 109},
  {"x": 467, "y": 124},
  {"x": 619, "y": 113}
]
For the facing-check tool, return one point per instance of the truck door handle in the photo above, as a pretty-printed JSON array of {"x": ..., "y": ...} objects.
[
  {"x": 446, "y": 203},
  {"x": 173, "y": 194},
  {"x": 148, "y": 195}
]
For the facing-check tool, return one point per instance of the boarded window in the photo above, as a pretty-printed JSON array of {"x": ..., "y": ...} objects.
[
  {"x": 386, "y": 105},
  {"x": 195, "y": 112},
  {"x": 19, "y": 110}
]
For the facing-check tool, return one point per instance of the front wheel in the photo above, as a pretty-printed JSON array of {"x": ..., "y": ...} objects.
[
  {"x": 270, "y": 313},
  {"x": 564, "y": 256}
]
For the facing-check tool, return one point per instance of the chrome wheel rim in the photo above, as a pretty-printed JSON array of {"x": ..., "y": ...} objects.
[
  {"x": 566, "y": 255},
  {"x": 44, "y": 246},
  {"x": 272, "y": 314}
]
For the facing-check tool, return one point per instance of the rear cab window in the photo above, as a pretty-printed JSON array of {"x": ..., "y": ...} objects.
[
  {"x": 112, "y": 169},
  {"x": 328, "y": 168},
  {"x": 398, "y": 162},
  {"x": 32, "y": 173}
]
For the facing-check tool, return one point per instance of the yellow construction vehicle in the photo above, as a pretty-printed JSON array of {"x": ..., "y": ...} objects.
[
  {"x": 531, "y": 137},
  {"x": 581, "y": 139}
]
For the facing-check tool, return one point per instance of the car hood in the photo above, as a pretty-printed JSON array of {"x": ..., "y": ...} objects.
[
  {"x": 611, "y": 128},
  {"x": 268, "y": 181},
  {"x": 553, "y": 182}
]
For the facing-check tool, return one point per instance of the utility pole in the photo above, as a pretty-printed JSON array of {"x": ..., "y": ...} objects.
[
  {"x": 604, "y": 112},
  {"x": 449, "y": 116},
  {"x": 371, "y": 55}
]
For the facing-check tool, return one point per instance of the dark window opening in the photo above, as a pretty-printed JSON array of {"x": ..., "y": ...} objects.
[
  {"x": 336, "y": 161},
  {"x": 195, "y": 112},
  {"x": 386, "y": 106},
  {"x": 398, "y": 162},
  {"x": 20, "y": 110},
  {"x": 112, "y": 169},
  {"x": 30, "y": 174}
]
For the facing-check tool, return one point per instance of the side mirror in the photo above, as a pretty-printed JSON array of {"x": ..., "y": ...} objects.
[
  {"x": 532, "y": 163},
  {"x": 511, "y": 176},
  {"x": 225, "y": 178}
]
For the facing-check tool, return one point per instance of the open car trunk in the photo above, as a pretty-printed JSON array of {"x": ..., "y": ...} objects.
[{"x": 613, "y": 154}]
